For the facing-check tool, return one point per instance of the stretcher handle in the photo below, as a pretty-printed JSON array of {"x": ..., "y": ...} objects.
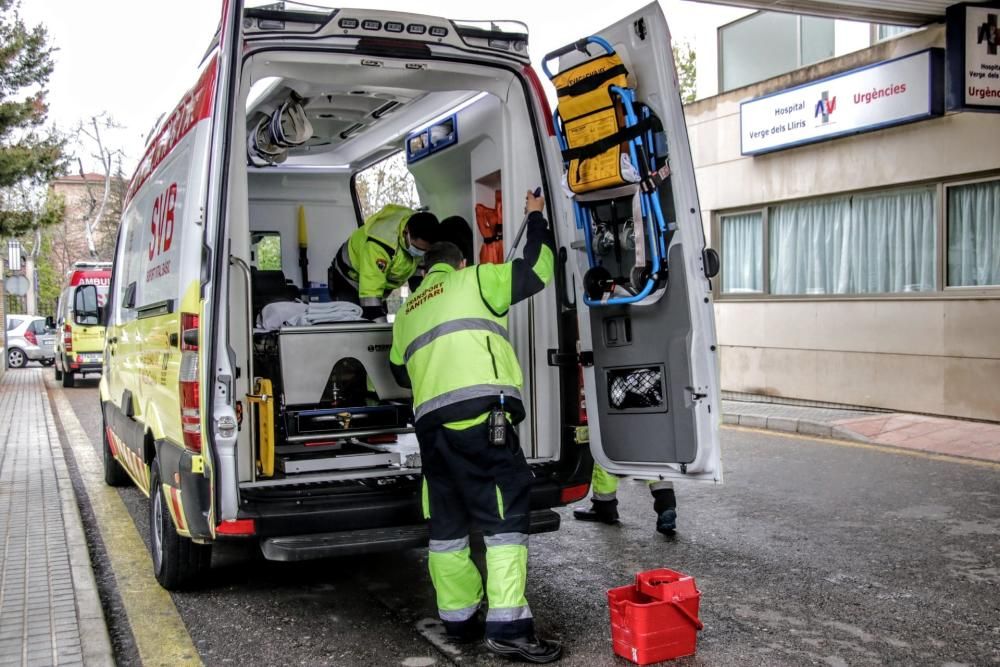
[{"x": 578, "y": 45}]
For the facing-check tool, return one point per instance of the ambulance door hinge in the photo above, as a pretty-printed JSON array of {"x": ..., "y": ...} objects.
[
  {"x": 559, "y": 359},
  {"x": 198, "y": 464}
]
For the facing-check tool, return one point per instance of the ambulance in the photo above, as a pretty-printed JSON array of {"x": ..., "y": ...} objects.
[
  {"x": 80, "y": 340},
  {"x": 248, "y": 409}
]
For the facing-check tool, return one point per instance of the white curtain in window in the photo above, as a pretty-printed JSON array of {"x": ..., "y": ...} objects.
[
  {"x": 866, "y": 244},
  {"x": 808, "y": 246},
  {"x": 974, "y": 234},
  {"x": 742, "y": 249},
  {"x": 893, "y": 241}
]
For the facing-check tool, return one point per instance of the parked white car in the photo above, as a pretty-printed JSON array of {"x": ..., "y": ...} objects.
[{"x": 29, "y": 339}]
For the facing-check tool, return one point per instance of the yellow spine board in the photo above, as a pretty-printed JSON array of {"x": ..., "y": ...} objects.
[
  {"x": 264, "y": 399},
  {"x": 590, "y": 117}
]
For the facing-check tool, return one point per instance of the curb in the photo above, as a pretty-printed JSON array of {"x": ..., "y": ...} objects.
[
  {"x": 789, "y": 425},
  {"x": 94, "y": 638}
]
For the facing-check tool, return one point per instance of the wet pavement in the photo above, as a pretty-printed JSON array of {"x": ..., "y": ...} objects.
[{"x": 812, "y": 552}]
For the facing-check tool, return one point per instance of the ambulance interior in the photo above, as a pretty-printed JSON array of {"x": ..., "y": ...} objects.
[{"x": 463, "y": 135}]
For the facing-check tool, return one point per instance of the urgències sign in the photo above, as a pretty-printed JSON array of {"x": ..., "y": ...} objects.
[
  {"x": 973, "y": 40},
  {"x": 888, "y": 93}
]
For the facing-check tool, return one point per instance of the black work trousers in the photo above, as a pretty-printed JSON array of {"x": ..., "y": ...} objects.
[{"x": 472, "y": 483}]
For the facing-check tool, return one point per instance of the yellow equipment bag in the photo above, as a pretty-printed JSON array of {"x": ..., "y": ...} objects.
[{"x": 593, "y": 122}]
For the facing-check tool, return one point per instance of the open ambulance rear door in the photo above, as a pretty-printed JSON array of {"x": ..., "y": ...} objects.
[
  {"x": 218, "y": 370},
  {"x": 651, "y": 366}
]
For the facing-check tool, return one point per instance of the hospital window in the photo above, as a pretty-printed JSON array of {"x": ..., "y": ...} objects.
[
  {"x": 869, "y": 243},
  {"x": 883, "y": 32},
  {"x": 767, "y": 44},
  {"x": 742, "y": 248},
  {"x": 973, "y": 234}
]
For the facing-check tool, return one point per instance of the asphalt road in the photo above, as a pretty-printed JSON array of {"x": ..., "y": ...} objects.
[{"x": 811, "y": 553}]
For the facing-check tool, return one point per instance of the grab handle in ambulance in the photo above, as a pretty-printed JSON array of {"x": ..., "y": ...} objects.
[
  {"x": 578, "y": 45},
  {"x": 244, "y": 270}
]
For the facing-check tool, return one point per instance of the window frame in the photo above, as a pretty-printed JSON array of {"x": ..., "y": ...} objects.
[
  {"x": 877, "y": 27},
  {"x": 941, "y": 289},
  {"x": 720, "y": 79},
  {"x": 963, "y": 290},
  {"x": 765, "y": 281}
]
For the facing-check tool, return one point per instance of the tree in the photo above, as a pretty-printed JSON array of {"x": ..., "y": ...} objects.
[
  {"x": 27, "y": 156},
  {"x": 104, "y": 199},
  {"x": 687, "y": 71},
  {"x": 386, "y": 182}
]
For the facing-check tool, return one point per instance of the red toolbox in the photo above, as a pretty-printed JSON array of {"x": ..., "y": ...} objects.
[{"x": 656, "y": 618}]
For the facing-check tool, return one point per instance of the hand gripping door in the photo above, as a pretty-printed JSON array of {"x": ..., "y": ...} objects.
[{"x": 652, "y": 389}]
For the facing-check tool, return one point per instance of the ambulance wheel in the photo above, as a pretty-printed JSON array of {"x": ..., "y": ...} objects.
[
  {"x": 177, "y": 561},
  {"x": 59, "y": 374},
  {"x": 69, "y": 379},
  {"x": 114, "y": 474}
]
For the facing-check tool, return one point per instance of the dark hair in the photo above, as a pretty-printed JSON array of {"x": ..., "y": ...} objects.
[
  {"x": 423, "y": 225},
  {"x": 443, "y": 252},
  {"x": 458, "y": 231}
]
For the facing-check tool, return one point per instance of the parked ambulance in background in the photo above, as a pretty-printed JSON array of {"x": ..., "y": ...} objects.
[
  {"x": 80, "y": 339},
  {"x": 246, "y": 414}
]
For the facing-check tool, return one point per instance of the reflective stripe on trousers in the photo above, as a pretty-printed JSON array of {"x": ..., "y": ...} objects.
[{"x": 457, "y": 583}]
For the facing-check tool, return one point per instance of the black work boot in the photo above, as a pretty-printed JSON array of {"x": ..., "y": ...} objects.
[
  {"x": 665, "y": 506},
  {"x": 526, "y": 649},
  {"x": 604, "y": 511},
  {"x": 465, "y": 632},
  {"x": 666, "y": 522}
]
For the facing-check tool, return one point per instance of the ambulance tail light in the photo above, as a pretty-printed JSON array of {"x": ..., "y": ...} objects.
[
  {"x": 571, "y": 494},
  {"x": 237, "y": 527},
  {"x": 68, "y": 338},
  {"x": 582, "y": 398},
  {"x": 188, "y": 381}
]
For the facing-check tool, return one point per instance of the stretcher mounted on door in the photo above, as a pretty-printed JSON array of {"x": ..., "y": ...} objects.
[{"x": 614, "y": 155}]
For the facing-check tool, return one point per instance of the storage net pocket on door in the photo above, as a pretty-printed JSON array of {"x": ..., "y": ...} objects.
[{"x": 632, "y": 388}]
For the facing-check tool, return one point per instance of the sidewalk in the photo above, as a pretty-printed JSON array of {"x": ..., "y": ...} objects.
[
  {"x": 938, "y": 435},
  {"x": 50, "y": 613}
]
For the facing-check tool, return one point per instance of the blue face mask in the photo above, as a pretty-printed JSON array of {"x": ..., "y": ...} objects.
[{"x": 415, "y": 251}]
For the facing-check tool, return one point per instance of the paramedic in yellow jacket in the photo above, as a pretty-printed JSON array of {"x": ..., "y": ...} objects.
[{"x": 380, "y": 256}]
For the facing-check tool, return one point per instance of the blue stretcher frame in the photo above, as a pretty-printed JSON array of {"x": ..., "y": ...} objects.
[{"x": 654, "y": 226}]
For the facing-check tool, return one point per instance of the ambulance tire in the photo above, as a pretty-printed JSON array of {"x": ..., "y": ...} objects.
[
  {"x": 177, "y": 561},
  {"x": 69, "y": 379},
  {"x": 59, "y": 374},
  {"x": 114, "y": 474}
]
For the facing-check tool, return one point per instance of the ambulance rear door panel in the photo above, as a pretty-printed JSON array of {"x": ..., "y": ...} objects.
[{"x": 671, "y": 341}]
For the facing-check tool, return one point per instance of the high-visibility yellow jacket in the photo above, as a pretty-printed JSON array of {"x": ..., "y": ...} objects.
[
  {"x": 450, "y": 339},
  {"x": 375, "y": 258}
]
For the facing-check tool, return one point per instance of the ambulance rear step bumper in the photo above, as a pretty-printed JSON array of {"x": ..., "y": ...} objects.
[{"x": 372, "y": 540}]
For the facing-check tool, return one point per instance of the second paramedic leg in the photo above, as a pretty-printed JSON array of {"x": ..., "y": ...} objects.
[
  {"x": 665, "y": 506},
  {"x": 604, "y": 499}
]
